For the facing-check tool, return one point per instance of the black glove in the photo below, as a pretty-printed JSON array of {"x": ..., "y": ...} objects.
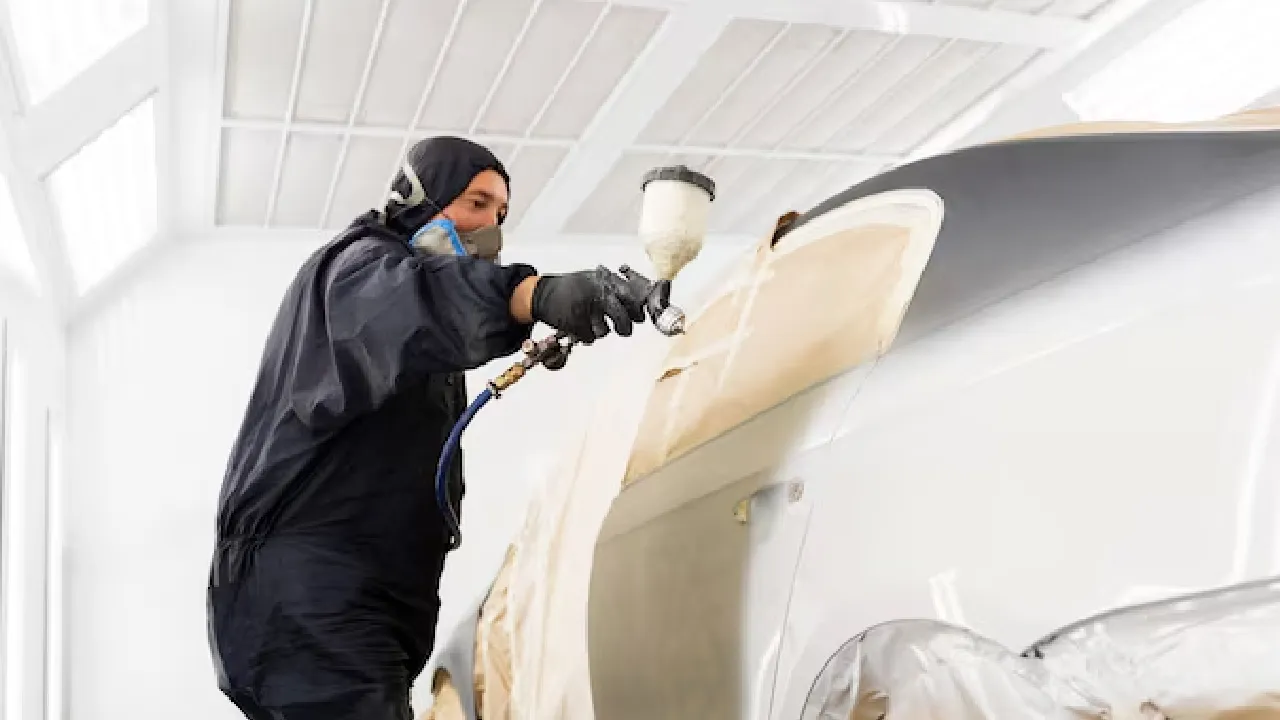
[{"x": 578, "y": 303}]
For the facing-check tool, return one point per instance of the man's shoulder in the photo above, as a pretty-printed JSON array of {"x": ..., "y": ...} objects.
[
  {"x": 361, "y": 247},
  {"x": 354, "y": 247}
]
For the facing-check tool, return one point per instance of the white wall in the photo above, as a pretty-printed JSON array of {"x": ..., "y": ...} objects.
[
  {"x": 35, "y": 401},
  {"x": 158, "y": 380}
]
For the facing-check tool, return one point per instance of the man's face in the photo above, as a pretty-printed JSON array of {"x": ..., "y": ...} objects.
[{"x": 482, "y": 204}]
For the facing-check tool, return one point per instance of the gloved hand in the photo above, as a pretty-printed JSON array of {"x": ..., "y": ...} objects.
[{"x": 579, "y": 302}]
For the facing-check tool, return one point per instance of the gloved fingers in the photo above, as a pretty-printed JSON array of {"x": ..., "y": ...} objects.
[
  {"x": 631, "y": 292},
  {"x": 599, "y": 328},
  {"x": 623, "y": 320},
  {"x": 638, "y": 288},
  {"x": 635, "y": 308},
  {"x": 583, "y": 331}
]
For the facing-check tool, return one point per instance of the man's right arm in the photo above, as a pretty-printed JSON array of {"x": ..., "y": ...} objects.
[
  {"x": 521, "y": 305},
  {"x": 390, "y": 319}
]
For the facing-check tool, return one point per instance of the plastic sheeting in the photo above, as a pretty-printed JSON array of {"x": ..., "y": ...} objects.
[
  {"x": 491, "y": 674},
  {"x": 1209, "y": 657}
]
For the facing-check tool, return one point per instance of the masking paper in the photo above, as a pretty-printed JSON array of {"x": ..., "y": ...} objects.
[{"x": 827, "y": 297}]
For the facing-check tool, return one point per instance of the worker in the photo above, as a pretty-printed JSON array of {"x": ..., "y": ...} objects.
[{"x": 324, "y": 587}]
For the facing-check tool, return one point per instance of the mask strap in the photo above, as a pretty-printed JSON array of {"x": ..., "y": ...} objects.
[{"x": 416, "y": 193}]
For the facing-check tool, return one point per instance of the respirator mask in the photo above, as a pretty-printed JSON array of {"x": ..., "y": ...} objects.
[{"x": 441, "y": 237}]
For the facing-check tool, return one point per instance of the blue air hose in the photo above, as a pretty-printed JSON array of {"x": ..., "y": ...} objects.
[
  {"x": 446, "y": 460},
  {"x": 551, "y": 352}
]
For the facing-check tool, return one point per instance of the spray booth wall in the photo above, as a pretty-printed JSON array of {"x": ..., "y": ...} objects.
[{"x": 32, "y": 372}]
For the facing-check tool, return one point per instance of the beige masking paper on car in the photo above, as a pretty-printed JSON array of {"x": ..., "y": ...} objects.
[{"x": 829, "y": 296}]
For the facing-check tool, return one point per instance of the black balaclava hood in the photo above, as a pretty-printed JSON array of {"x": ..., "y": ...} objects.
[{"x": 443, "y": 168}]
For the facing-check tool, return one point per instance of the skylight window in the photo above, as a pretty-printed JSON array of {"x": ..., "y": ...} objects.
[
  {"x": 1216, "y": 58},
  {"x": 15, "y": 255},
  {"x": 106, "y": 197},
  {"x": 59, "y": 39}
]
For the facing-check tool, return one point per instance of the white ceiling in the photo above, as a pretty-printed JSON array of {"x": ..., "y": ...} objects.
[{"x": 287, "y": 117}]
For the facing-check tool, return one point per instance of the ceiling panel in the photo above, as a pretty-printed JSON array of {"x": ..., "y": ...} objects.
[
  {"x": 309, "y": 161},
  {"x": 863, "y": 91},
  {"x": 104, "y": 223},
  {"x": 414, "y": 32},
  {"x": 735, "y": 49},
  {"x": 244, "y": 183},
  {"x": 757, "y": 86},
  {"x": 262, "y": 40},
  {"x": 554, "y": 35},
  {"x": 338, "y": 43},
  {"x": 608, "y": 55},
  {"x": 472, "y": 63},
  {"x": 816, "y": 86},
  {"x": 611, "y": 207},
  {"x": 950, "y": 101},
  {"x": 910, "y": 96},
  {"x": 530, "y": 168},
  {"x": 1018, "y": 6},
  {"x": 818, "y": 181},
  {"x": 1080, "y": 9},
  {"x": 361, "y": 183},
  {"x": 503, "y": 151},
  {"x": 57, "y": 41},
  {"x": 747, "y": 186},
  {"x": 772, "y": 199}
]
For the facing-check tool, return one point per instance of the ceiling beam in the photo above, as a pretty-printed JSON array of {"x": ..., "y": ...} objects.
[
  {"x": 197, "y": 32},
  {"x": 106, "y": 91},
  {"x": 385, "y": 131},
  {"x": 905, "y": 18},
  {"x": 31, "y": 202},
  {"x": 669, "y": 57}
]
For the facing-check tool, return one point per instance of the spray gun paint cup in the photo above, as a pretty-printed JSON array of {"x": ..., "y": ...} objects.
[{"x": 673, "y": 217}]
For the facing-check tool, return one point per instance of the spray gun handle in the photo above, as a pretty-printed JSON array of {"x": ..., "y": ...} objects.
[{"x": 668, "y": 318}]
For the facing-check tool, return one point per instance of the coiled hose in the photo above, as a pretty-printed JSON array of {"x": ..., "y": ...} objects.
[{"x": 446, "y": 461}]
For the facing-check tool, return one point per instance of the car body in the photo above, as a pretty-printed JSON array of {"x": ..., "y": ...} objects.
[{"x": 1055, "y": 398}]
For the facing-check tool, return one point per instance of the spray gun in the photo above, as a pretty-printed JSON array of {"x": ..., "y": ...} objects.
[{"x": 673, "y": 223}]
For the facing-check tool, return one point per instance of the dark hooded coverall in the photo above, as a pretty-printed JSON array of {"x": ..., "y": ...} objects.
[{"x": 323, "y": 592}]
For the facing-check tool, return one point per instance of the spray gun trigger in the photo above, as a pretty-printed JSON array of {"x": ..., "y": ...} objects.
[{"x": 668, "y": 318}]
